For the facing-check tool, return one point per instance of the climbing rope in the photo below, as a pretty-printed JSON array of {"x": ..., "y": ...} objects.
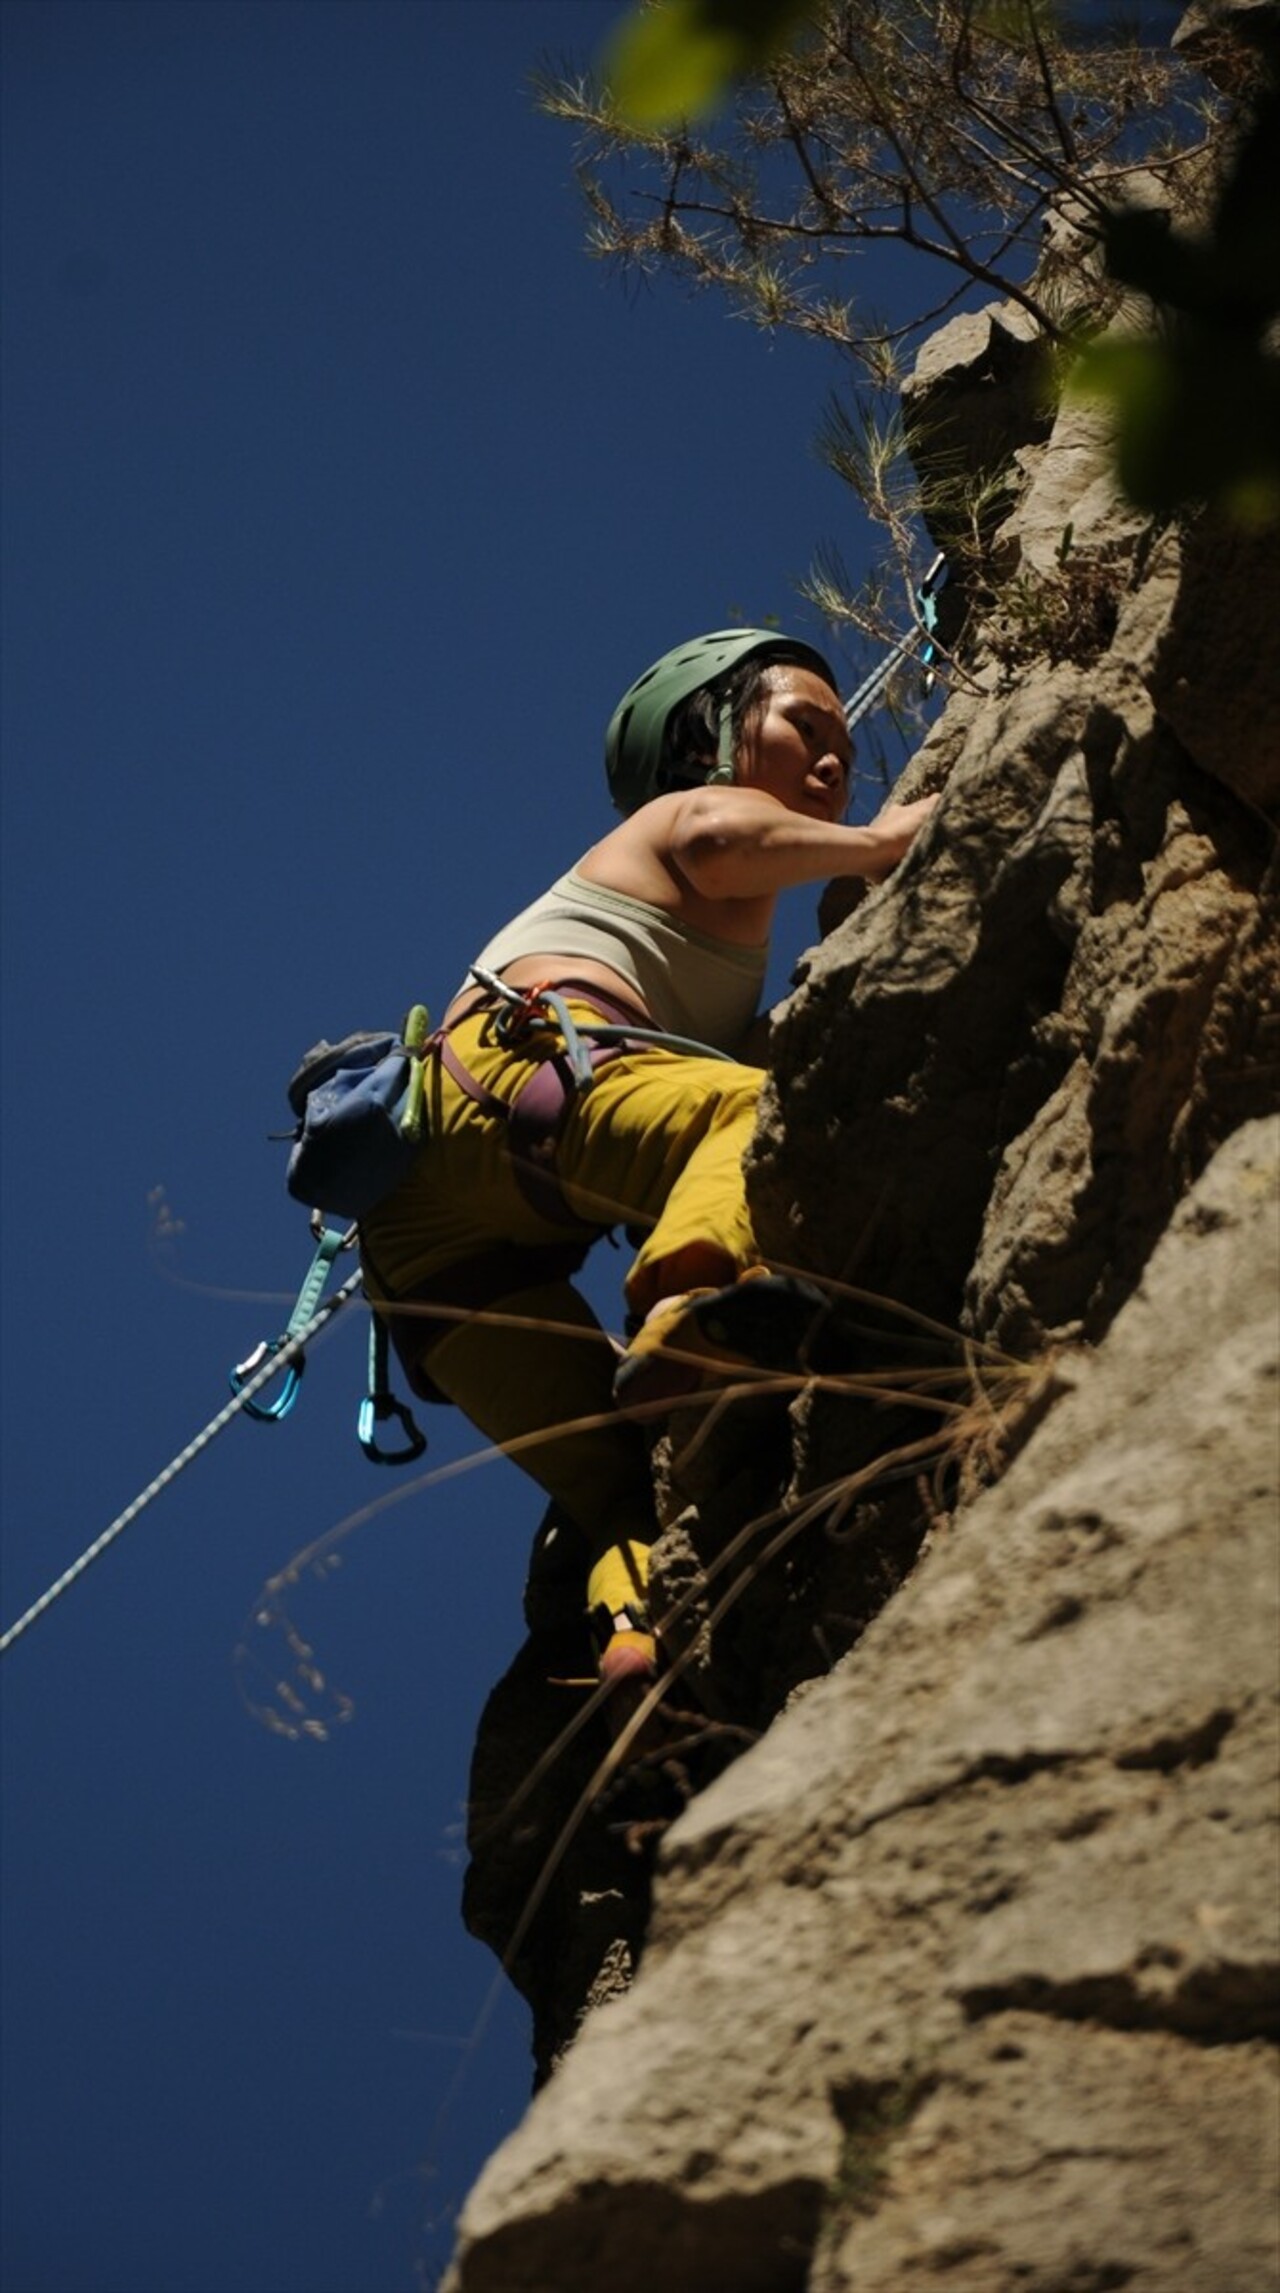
[{"x": 280, "y": 1357}]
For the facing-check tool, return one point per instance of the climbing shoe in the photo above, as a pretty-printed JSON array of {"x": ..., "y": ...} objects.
[
  {"x": 618, "y": 1614},
  {"x": 763, "y": 1322},
  {"x": 626, "y": 1646}
]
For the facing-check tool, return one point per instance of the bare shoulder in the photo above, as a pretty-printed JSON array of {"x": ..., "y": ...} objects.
[
  {"x": 645, "y": 859},
  {"x": 636, "y": 857}
]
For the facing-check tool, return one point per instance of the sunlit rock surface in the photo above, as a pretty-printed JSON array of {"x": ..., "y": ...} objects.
[{"x": 966, "y": 1971}]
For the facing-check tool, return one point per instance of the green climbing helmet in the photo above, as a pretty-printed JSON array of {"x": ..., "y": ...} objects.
[{"x": 635, "y": 742}]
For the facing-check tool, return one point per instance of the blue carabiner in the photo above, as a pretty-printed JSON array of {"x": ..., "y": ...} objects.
[
  {"x": 269, "y": 1412},
  {"x": 331, "y": 1240},
  {"x": 927, "y": 607},
  {"x": 380, "y": 1403},
  {"x": 375, "y": 1409},
  {"x": 925, "y": 602}
]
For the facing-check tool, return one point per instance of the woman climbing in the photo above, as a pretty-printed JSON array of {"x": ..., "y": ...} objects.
[{"x": 730, "y": 758}]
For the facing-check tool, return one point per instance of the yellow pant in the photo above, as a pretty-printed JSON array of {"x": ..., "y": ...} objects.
[{"x": 657, "y": 1142}]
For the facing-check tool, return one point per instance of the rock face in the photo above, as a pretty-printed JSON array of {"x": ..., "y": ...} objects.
[{"x": 967, "y": 1969}]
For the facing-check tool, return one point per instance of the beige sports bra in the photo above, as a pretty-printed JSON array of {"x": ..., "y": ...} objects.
[{"x": 691, "y": 983}]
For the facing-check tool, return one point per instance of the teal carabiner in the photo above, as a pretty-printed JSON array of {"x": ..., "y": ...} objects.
[
  {"x": 925, "y": 601},
  {"x": 268, "y": 1412},
  {"x": 380, "y": 1404},
  {"x": 331, "y": 1240}
]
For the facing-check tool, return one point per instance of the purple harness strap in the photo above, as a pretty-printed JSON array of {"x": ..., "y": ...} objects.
[{"x": 535, "y": 1117}]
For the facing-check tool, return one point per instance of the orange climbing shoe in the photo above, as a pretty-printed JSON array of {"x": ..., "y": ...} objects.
[
  {"x": 762, "y": 1323},
  {"x": 618, "y": 1614}
]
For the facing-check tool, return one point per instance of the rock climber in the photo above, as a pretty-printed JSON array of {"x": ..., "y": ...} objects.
[{"x": 730, "y": 759}]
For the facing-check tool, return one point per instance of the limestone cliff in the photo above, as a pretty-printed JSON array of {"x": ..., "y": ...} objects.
[{"x": 966, "y": 1969}]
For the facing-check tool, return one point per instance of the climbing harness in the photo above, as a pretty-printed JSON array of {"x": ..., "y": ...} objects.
[
  {"x": 538, "y": 1018},
  {"x": 535, "y": 1116},
  {"x": 360, "y": 1103},
  {"x": 523, "y": 1003}
]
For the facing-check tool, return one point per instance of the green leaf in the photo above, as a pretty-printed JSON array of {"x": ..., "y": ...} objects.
[
  {"x": 678, "y": 59},
  {"x": 1197, "y": 419}
]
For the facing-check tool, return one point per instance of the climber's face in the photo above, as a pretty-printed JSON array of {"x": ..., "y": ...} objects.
[{"x": 796, "y": 744}]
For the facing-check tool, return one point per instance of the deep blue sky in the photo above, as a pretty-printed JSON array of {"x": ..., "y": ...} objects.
[{"x": 343, "y": 497}]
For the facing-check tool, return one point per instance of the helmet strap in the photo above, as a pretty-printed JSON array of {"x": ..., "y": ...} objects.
[{"x": 722, "y": 773}]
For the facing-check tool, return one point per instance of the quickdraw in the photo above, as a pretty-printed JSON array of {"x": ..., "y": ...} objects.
[
  {"x": 379, "y": 1406},
  {"x": 861, "y": 703},
  {"x": 330, "y": 1240}
]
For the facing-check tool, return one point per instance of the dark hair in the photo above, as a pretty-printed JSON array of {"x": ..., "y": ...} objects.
[{"x": 691, "y": 743}]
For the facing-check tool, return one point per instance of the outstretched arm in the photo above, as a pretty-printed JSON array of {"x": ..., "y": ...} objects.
[{"x": 740, "y": 844}]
